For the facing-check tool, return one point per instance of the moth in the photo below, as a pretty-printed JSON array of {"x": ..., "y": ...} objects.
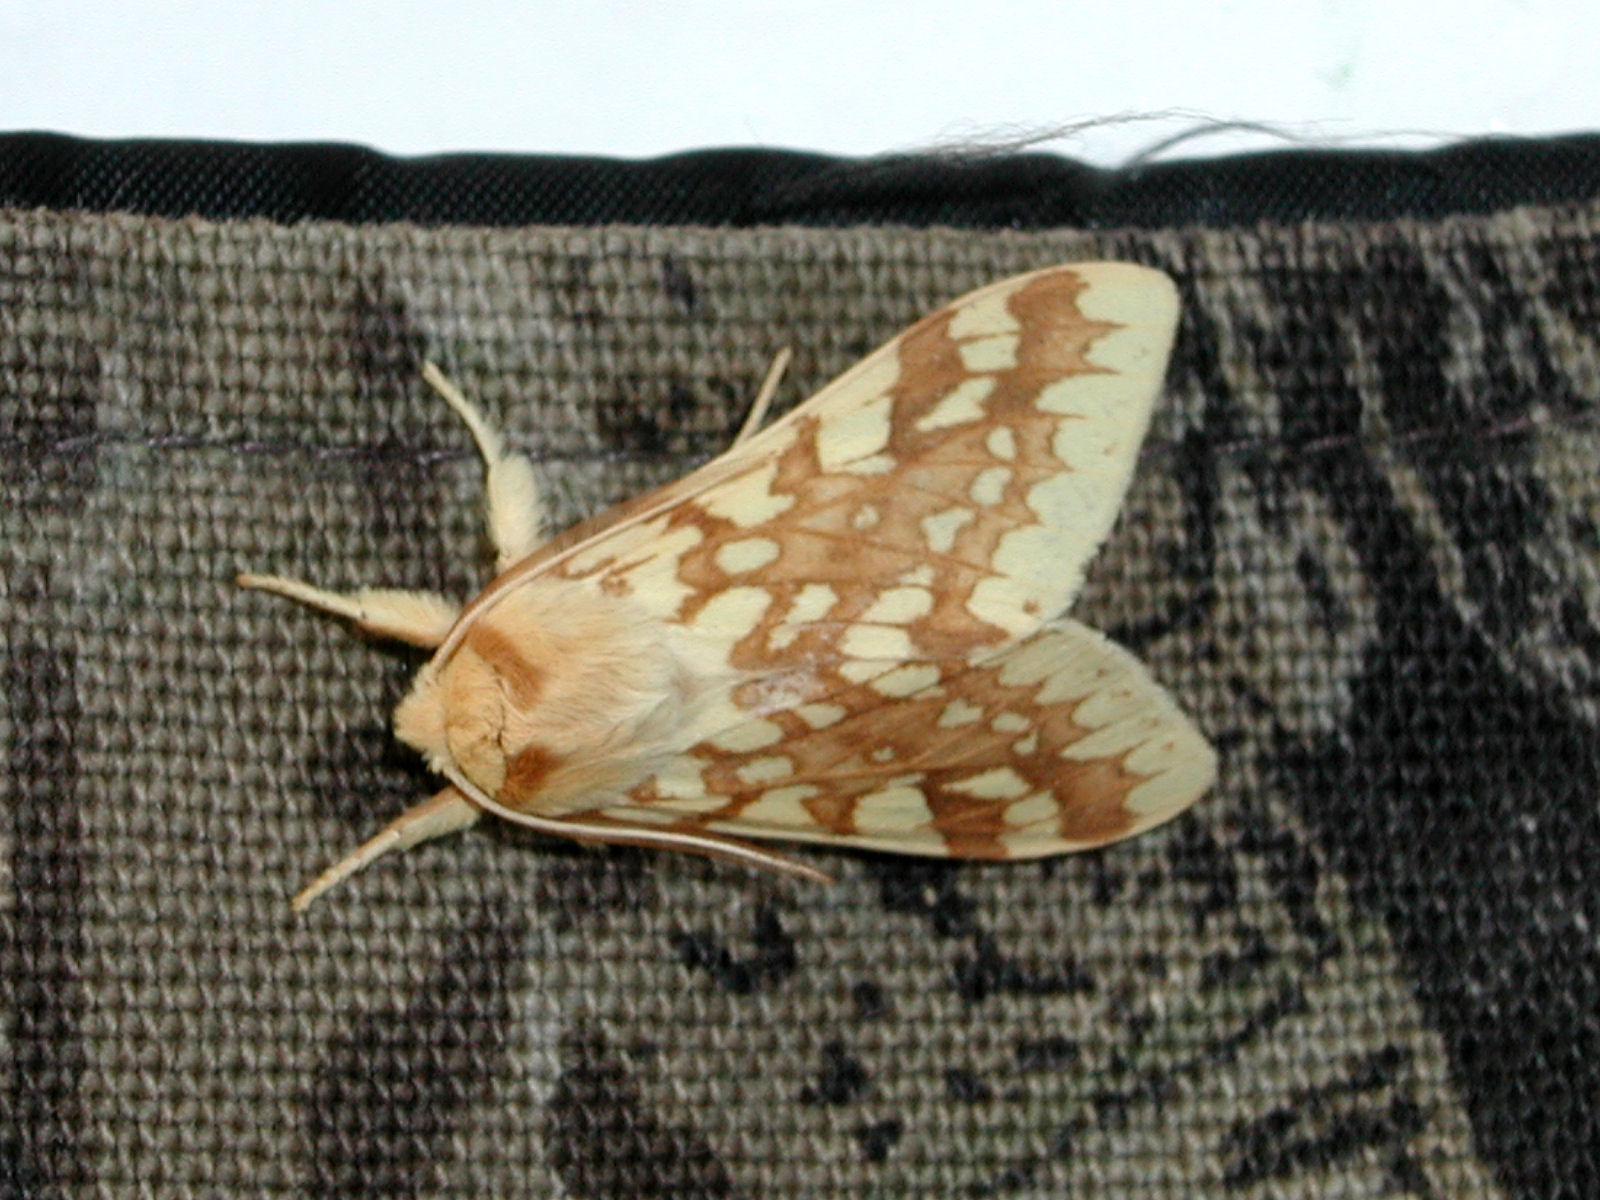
[{"x": 845, "y": 629}]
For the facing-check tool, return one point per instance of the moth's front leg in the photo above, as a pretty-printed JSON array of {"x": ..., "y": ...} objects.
[
  {"x": 443, "y": 814},
  {"x": 421, "y": 618},
  {"x": 516, "y": 518}
]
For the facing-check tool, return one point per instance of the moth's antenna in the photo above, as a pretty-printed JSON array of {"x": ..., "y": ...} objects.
[{"x": 705, "y": 844}]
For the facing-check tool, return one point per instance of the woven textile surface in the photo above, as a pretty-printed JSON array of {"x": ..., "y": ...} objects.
[{"x": 1362, "y": 548}]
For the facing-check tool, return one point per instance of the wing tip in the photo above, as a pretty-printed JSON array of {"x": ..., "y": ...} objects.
[{"x": 1129, "y": 294}]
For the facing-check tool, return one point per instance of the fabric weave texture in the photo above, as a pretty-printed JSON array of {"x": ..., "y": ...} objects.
[{"x": 1362, "y": 548}]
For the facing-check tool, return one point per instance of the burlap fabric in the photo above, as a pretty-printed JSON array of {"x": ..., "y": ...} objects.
[{"x": 1362, "y": 548}]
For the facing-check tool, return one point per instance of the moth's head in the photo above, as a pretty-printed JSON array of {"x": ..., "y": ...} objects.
[
  {"x": 549, "y": 694},
  {"x": 452, "y": 715}
]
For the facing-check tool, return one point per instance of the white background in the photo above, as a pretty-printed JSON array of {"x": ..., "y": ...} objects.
[{"x": 855, "y": 77}]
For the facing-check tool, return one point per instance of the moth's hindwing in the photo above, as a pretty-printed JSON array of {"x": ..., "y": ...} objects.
[{"x": 1055, "y": 743}]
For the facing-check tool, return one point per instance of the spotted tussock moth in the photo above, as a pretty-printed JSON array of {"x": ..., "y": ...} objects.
[{"x": 842, "y": 630}]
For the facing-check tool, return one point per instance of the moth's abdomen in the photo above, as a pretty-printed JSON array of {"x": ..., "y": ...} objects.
[{"x": 556, "y": 695}]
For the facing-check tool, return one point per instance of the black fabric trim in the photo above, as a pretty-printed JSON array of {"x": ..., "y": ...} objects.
[{"x": 736, "y": 187}]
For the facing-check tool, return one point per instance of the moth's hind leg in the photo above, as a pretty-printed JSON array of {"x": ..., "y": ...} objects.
[
  {"x": 763, "y": 400},
  {"x": 446, "y": 812},
  {"x": 516, "y": 519}
]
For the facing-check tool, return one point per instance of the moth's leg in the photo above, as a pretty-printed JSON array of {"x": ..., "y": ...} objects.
[
  {"x": 446, "y": 812},
  {"x": 763, "y": 400},
  {"x": 421, "y": 618},
  {"x": 516, "y": 518}
]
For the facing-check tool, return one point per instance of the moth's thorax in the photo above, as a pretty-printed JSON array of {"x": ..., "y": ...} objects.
[{"x": 558, "y": 696}]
